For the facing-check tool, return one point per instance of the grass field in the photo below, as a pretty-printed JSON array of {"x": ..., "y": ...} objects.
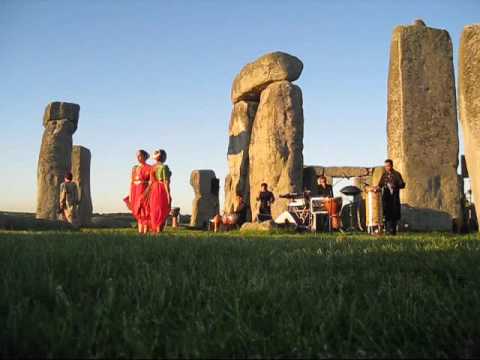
[{"x": 192, "y": 294}]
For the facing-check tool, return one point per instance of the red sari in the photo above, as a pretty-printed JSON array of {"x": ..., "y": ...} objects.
[
  {"x": 138, "y": 204},
  {"x": 159, "y": 203}
]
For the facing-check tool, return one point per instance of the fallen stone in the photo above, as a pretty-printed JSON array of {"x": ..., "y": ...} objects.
[{"x": 268, "y": 225}]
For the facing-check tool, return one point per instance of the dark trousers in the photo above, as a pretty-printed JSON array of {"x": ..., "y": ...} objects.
[
  {"x": 264, "y": 216},
  {"x": 391, "y": 227}
]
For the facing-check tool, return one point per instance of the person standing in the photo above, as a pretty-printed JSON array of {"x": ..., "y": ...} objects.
[
  {"x": 69, "y": 200},
  {"x": 390, "y": 184},
  {"x": 137, "y": 202},
  {"x": 266, "y": 199},
  {"x": 324, "y": 188},
  {"x": 159, "y": 195}
]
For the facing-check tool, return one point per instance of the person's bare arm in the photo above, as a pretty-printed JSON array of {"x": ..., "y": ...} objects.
[{"x": 167, "y": 189}]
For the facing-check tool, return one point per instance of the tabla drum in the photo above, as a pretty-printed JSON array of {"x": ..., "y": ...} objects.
[
  {"x": 333, "y": 206},
  {"x": 373, "y": 204}
]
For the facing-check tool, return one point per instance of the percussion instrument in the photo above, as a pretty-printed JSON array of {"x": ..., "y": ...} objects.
[
  {"x": 333, "y": 207},
  {"x": 317, "y": 204},
  {"x": 374, "y": 213},
  {"x": 295, "y": 203},
  {"x": 299, "y": 207},
  {"x": 350, "y": 190}
]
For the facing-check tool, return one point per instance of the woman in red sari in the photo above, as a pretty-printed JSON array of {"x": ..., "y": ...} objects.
[
  {"x": 160, "y": 200},
  {"x": 138, "y": 203}
]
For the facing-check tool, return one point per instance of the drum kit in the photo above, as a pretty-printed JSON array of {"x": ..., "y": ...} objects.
[
  {"x": 325, "y": 213},
  {"x": 307, "y": 212}
]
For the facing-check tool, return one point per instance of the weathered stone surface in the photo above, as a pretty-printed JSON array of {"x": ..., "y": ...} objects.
[
  {"x": 240, "y": 130},
  {"x": 276, "y": 145},
  {"x": 422, "y": 122},
  {"x": 340, "y": 171},
  {"x": 81, "y": 175},
  {"x": 310, "y": 180},
  {"x": 62, "y": 111},
  {"x": 431, "y": 220},
  {"x": 205, "y": 204},
  {"x": 120, "y": 220},
  {"x": 469, "y": 102},
  {"x": 256, "y": 76},
  {"x": 27, "y": 221},
  {"x": 268, "y": 225},
  {"x": 377, "y": 173},
  {"x": 55, "y": 158}
]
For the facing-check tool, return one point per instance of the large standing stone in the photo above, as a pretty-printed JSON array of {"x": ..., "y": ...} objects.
[
  {"x": 469, "y": 99},
  {"x": 256, "y": 76},
  {"x": 205, "y": 204},
  {"x": 276, "y": 145},
  {"x": 81, "y": 175},
  {"x": 240, "y": 130},
  {"x": 60, "y": 122},
  {"x": 422, "y": 121}
]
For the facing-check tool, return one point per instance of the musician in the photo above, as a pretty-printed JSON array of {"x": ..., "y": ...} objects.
[
  {"x": 390, "y": 184},
  {"x": 266, "y": 199},
  {"x": 324, "y": 188},
  {"x": 235, "y": 219}
]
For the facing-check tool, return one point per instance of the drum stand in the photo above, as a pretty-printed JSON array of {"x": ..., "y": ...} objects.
[{"x": 351, "y": 216}]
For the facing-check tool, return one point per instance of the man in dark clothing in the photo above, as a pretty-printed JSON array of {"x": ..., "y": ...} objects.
[
  {"x": 390, "y": 183},
  {"x": 266, "y": 199},
  {"x": 324, "y": 189}
]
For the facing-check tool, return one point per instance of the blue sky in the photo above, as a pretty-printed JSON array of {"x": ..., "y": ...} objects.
[{"x": 157, "y": 74}]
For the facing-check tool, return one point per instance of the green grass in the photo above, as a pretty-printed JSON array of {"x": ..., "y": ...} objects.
[{"x": 193, "y": 294}]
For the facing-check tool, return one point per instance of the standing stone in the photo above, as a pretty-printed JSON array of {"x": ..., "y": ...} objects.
[
  {"x": 310, "y": 180},
  {"x": 469, "y": 99},
  {"x": 205, "y": 204},
  {"x": 240, "y": 130},
  {"x": 422, "y": 122},
  {"x": 60, "y": 122},
  {"x": 276, "y": 145},
  {"x": 256, "y": 76},
  {"x": 81, "y": 175}
]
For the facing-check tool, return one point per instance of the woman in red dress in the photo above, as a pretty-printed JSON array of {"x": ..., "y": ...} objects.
[
  {"x": 138, "y": 203},
  {"x": 160, "y": 200}
]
